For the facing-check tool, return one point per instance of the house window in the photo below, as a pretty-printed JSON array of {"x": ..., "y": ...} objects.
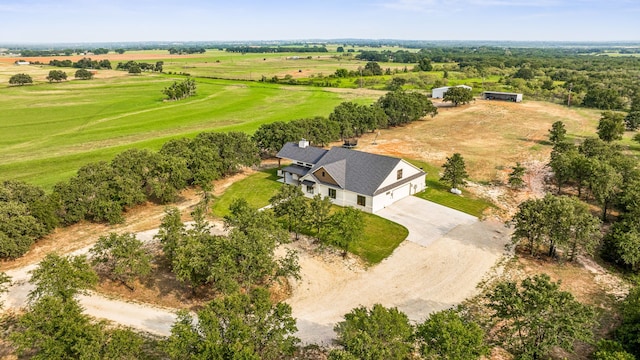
[
  {"x": 332, "y": 193},
  {"x": 323, "y": 174},
  {"x": 310, "y": 189},
  {"x": 399, "y": 174},
  {"x": 362, "y": 201}
]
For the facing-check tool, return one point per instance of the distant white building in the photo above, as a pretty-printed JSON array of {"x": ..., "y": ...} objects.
[
  {"x": 438, "y": 93},
  {"x": 22, "y": 63},
  {"x": 505, "y": 96}
]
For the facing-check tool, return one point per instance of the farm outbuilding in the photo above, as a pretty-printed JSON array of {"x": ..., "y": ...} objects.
[
  {"x": 438, "y": 93},
  {"x": 505, "y": 96}
]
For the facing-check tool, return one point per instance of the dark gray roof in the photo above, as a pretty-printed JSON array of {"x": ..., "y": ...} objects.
[
  {"x": 357, "y": 171},
  {"x": 308, "y": 155},
  {"x": 297, "y": 169}
]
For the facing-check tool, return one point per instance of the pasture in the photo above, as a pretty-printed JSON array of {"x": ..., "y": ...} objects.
[{"x": 50, "y": 130}]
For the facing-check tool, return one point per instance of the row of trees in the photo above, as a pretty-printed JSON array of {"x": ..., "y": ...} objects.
[
  {"x": 319, "y": 131},
  {"x": 138, "y": 67},
  {"x": 67, "y": 52},
  {"x": 84, "y": 63},
  {"x": 59, "y": 75},
  {"x": 186, "y": 50},
  {"x": 347, "y": 120},
  {"x": 275, "y": 49},
  {"x": 54, "y": 75},
  {"x": 102, "y": 191},
  {"x": 398, "y": 56}
]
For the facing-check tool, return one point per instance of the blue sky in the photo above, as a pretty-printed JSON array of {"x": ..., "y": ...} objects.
[{"x": 44, "y": 21}]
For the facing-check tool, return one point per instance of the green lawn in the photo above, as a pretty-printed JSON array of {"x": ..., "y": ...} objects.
[
  {"x": 439, "y": 193},
  {"x": 50, "y": 130},
  {"x": 257, "y": 189},
  {"x": 380, "y": 238}
]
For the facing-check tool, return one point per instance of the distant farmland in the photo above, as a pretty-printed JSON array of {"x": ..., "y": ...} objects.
[{"x": 50, "y": 130}]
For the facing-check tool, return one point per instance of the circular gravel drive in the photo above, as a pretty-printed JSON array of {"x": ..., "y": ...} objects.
[{"x": 447, "y": 255}]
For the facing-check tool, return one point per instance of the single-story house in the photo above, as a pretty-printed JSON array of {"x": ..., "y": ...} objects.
[
  {"x": 19, "y": 62},
  {"x": 438, "y": 93},
  {"x": 366, "y": 181},
  {"x": 505, "y": 96}
]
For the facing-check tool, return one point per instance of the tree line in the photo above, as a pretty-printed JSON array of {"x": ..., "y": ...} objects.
[
  {"x": 67, "y": 52},
  {"x": 138, "y": 67},
  {"x": 102, "y": 191},
  {"x": 398, "y": 56},
  {"x": 348, "y": 120},
  {"x": 84, "y": 63},
  {"x": 186, "y": 50},
  {"x": 275, "y": 49}
]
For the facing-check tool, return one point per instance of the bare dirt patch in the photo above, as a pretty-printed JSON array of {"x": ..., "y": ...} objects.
[
  {"x": 111, "y": 57},
  {"x": 490, "y": 135}
]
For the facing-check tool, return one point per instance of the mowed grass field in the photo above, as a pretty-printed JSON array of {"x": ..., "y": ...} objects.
[
  {"x": 222, "y": 64},
  {"x": 51, "y": 130}
]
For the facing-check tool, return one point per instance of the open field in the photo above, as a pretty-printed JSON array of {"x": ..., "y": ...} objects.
[
  {"x": 50, "y": 130},
  {"x": 490, "y": 135},
  {"x": 225, "y": 65}
]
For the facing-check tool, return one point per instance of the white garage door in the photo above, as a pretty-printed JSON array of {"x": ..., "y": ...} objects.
[{"x": 401, "y": 192}]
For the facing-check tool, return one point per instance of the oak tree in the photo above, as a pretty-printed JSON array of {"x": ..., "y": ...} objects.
[
  {"x": 122, "y": 257},
  {"x": 535, "y": 315},
  {"x": 237, "y": 326},
  {"x": 20, "y": 79},
  {"x": 378, "y": 333},
  {"x": 446, "y": 335}
]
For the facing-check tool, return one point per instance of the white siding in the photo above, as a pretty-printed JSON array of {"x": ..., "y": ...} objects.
[
  {"x": 407, "y": 170},
  {"x": 343, "y": 197},
  {"x": 438, "y": 93}
]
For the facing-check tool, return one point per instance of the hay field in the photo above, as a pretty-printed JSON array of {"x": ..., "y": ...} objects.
[
  {"x": 50, "y": 130},
  {"x": 221, "y": 64}
]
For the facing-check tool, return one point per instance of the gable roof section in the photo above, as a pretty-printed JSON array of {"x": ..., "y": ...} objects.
[
  {"x": 308, "y": 155},
  {"x": 357, "y": 171},
  {"x": 337, "y": 171}
]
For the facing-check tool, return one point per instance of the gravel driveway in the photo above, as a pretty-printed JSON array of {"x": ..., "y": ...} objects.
[{"x": 447, "y": 255}]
